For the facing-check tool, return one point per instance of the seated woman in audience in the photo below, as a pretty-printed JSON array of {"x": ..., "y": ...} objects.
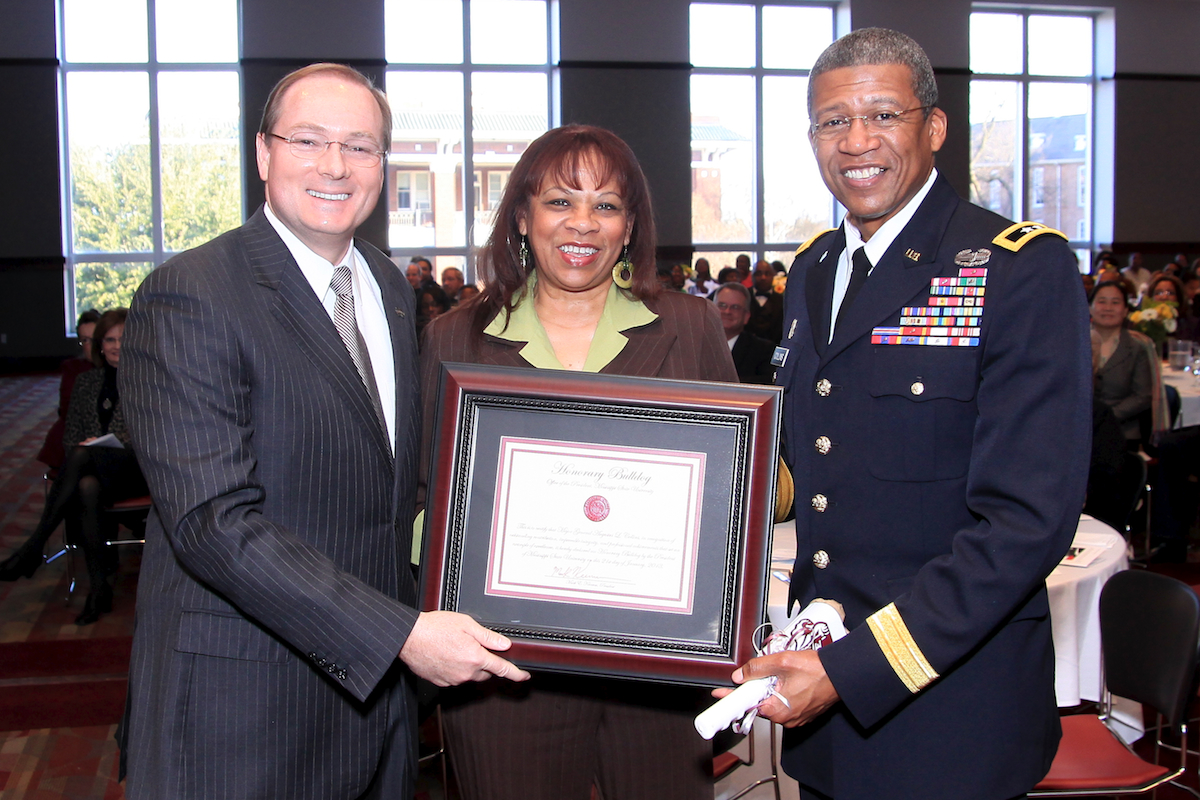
[
  {"x": 570, "y": 283},
  {"x": 1127, "y": 378},
  {"x": 432, "y": 302},
  {"x": 52, "y": 453},
  {"x": 92, "y": 477},
  {"x": 1164, "y": 288}
]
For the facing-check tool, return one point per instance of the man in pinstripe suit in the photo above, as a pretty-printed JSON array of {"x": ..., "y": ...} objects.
[{"x": 276, "y": 598}]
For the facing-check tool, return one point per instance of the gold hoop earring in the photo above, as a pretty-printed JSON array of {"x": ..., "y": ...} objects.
[{"x": 622, "y": 271}]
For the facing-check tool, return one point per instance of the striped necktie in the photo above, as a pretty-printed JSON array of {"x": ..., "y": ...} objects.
[{"x": 356, "y": 346}]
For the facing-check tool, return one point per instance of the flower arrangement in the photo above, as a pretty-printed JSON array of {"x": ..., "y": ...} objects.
[{"x": 1156, "y": 319}]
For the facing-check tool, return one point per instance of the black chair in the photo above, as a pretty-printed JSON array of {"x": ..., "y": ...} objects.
[
  {"x": 1114, "y": 501},
  {"x": 1173, "y": 404},
  {"x": 1149, "y": 633}
]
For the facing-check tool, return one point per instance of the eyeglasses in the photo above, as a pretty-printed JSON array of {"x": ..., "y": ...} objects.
[
  {"x": 311, "y": 147},
  {"x": 730, "y": 307},
  {"x": 879, "y": 122}
]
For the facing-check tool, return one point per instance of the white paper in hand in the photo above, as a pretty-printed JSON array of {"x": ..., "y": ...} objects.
[{"x": 816, "y": 625}]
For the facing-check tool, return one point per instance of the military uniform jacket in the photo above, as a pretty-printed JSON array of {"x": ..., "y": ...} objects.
[
  {"x": 938, "y": 481},
  {"x": 275, "y": 592}
]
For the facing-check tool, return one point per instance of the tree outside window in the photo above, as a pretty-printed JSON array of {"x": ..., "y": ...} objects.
[{"x": 152, "y": 154}]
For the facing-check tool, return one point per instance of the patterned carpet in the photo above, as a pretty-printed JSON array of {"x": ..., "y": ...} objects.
[{"x": 57, "y": 763}]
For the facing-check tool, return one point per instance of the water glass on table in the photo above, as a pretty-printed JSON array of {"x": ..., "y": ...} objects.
[{"x": 1179, "y": 353}]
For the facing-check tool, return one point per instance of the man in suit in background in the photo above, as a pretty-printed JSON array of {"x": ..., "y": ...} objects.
[
  {"x": 751, "y": 354},
  {"x": 939, "y": 450},
  {"x": 766, "y": 312},
  {"x": 270, "y": 382}
]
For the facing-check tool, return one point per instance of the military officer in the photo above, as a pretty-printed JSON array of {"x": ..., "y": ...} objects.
[{"x": 935, "y": 362}]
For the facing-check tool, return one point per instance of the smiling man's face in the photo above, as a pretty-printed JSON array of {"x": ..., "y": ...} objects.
[
  {"x": 874, "y": 174},
  {"x": 324, "y": 199}
]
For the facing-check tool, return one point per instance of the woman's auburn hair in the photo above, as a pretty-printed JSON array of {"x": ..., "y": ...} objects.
[{"x": 558, "y": 156}]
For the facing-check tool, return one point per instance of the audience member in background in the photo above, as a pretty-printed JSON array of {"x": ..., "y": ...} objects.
[
  {"x": 92, "y": 477},
  {"x": 432, "y": 302},
  {"x": 452, "y": 284},
  {"x": 751, "y": 354},
  {"x": 1163, "y": 288},
  {"x": 1178, "y": 265},
  {"x": 1089, "y": 283},
  {"x": 766, "y": 310},
  {"x": 413, "y": 273},
  {"x": 728, "y": 275},
  {"x": 1191, "y": 285},
  {"x": 1126, "y": 377},
  {"x": 468, "y": 291},
  {"x": 426, "y": 268},
  {"x": 52, "y": 452},
  {"x": 601, "y": 310},
  {"x": 1105, "y": 499},
  {"x": 779, "y": 267},
  {"x": 742, "y": 265},
  {"x": 1136, "y": 274},
  {"x": 701, "y": 284}
]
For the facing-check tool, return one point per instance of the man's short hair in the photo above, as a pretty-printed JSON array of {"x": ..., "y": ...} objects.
[
  {"x": 735, "y": 287},
  {"x": 273, "y": 109},
  {"x": 877, "y": 46},
  {"x": 419, "y": 260}
]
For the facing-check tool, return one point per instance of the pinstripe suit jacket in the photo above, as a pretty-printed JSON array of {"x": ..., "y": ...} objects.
[{"x": 274, "y": 593}]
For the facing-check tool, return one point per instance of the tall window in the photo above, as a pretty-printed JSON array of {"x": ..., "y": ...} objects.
[
  {"x": 755, "y": 184},
  {"x": 1032, "y": 95},
  {"x": 470, "y": 86},
  {"x": 151, "y": 144}
]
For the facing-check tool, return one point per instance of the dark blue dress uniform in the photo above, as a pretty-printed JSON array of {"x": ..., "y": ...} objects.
[{"x": 939, "y": 450}]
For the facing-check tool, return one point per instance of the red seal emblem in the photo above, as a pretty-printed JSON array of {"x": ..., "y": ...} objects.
[{"x": 596, "y": 508}]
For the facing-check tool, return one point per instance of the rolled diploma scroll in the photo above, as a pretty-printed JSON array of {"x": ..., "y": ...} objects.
[{"x": 816, "y": 625}]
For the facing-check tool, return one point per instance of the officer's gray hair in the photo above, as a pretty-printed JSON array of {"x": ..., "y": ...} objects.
[{"x": 869, "y": 46}]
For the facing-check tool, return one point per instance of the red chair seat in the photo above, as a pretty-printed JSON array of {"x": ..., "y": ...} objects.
[
  {"x": 1090, "y": 757},
  {"x": 724, "y": 764},
  {"x": 132, "y": 504}
]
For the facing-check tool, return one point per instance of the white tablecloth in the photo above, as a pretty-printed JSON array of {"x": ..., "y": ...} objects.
[
  {"x": 1189, "y": 395},
  {"x": 1074, "y": 616}
]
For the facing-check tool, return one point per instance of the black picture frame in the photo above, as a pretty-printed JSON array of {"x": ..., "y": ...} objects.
[{"x": 735, "y": 430}]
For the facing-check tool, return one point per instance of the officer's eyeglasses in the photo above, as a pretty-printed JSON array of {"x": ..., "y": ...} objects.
[
  {"x": 310, "y": 147},
  {"x": 836, "y": 126}
]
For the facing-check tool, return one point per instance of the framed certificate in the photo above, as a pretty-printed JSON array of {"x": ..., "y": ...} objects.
[{"x": 608, "y": 525}]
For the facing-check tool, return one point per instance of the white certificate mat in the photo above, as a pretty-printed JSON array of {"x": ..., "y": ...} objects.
[{"x": 590, "y": 524}]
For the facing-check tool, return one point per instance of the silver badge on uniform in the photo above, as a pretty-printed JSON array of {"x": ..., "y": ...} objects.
[
  {"x": 973, "y": 258},
  {"x": 780, "y": 357}
]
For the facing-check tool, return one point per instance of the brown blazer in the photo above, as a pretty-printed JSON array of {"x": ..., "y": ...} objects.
[{"x": 685, "y": 342}]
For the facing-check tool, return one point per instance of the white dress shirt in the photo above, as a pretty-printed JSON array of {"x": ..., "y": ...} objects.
[
  {"x": 368, "y": 310},
  {"x": 875, "y": 247}
]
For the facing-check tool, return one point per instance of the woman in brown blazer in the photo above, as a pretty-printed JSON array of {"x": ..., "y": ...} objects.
[{"x": 570, "y": 283}]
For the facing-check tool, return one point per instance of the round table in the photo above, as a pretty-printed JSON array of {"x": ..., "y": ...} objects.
[{"x": 1074, "y": 616}]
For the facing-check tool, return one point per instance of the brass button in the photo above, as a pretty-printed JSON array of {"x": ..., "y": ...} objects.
[
  {"x": 823, "y": 444},
  {"x": 820, "y": 502},
  {"x": 820, "y": 559},
  {"x": 917, "y": 388},
  {"x": 824, "y": 387}
]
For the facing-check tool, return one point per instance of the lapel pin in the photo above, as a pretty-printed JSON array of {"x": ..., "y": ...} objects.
[{"x": 400, "y": 311}]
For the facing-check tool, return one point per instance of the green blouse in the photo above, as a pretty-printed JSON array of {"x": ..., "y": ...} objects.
[{"x": 621, "y": 312}]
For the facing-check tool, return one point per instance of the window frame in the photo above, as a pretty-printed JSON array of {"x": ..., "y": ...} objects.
[
  {"x": 152, "y": 68},
  {"x": 468, "y": 193},
  {"x": 759, "y": 248},
  {"x": 1023, "y": 191}
]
